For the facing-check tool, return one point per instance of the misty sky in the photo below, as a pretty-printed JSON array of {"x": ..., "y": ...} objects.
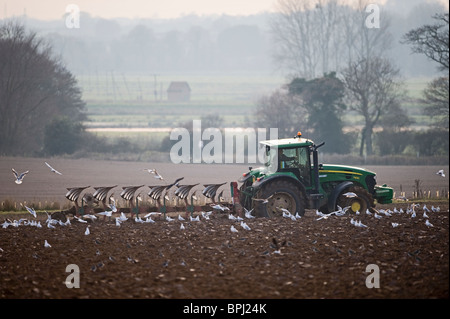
[{"x": 55, "y": 9}]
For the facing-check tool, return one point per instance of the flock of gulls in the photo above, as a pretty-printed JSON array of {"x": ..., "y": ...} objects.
[{"x": 238, "y": 223}]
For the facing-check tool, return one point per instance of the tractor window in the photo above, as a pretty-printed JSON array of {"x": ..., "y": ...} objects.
[
  {"x": 297, "y": 161},
  {"x": 271, "y": 160}
]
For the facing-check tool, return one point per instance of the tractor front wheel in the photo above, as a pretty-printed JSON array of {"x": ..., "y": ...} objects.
[{"x": 280, "y": 195}]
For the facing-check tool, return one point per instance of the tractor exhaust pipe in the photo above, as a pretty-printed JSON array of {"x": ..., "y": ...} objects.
[{"x": 316, "y": 196}]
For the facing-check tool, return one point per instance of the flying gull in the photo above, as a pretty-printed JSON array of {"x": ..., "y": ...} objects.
[
  {"x": 52, "y": 169},
  {"x": 19, "y": 177}
]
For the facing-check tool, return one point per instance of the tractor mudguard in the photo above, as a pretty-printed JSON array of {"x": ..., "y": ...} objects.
[
  {"x": 335, "y": 193},
  {"x": 262, "y": 181}
]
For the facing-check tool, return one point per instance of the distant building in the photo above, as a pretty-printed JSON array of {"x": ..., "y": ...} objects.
[{"x": 179, "y": 92}]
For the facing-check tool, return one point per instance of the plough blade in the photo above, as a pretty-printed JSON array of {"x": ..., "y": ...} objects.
[
  {"x": 128, "y": 192},
  {"x": 210, "y": 191},
  {"x": 182, "y": 191},
  {"x": 156, "y": 191},
  {"x": 74, "y": 193},
  {"x": 101, "y": 192}
]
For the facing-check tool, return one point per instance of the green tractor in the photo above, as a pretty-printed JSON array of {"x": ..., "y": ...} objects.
[{"x": 293, "y": 179}]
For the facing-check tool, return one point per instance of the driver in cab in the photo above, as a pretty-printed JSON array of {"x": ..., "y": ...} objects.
[{"x": 287, "y": 161}]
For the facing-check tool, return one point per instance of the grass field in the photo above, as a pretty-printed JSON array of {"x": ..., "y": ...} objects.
[{"x": 118, "y": 100}]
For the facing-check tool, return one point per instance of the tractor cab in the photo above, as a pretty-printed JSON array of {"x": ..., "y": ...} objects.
[{"x": 290, "y": 156}]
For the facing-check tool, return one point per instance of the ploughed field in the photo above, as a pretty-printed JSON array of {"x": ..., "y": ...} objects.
[{"x": 279, "y": 257}]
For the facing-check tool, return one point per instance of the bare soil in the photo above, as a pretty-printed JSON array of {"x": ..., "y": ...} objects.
[
  {"x": 325, "y": 258},
  {"x": 317, "y": 259}
]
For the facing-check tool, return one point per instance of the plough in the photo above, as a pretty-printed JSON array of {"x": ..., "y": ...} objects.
[{"x": 159, "y": 194}]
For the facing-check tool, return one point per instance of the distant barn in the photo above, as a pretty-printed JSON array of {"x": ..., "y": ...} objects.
[{"x": 179, "y": 92}]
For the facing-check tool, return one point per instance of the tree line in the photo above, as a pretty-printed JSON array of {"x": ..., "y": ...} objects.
[{"x": 367, "y": 83}]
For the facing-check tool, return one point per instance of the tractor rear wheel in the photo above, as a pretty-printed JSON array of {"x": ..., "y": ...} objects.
[
  {"x": 361, "y": 202},
  {"x": 281, "y": 194}
]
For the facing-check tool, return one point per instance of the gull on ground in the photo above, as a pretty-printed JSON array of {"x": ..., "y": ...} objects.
[
  {"x": 245, "y": 226},
  {"x": 138, "y": 220},
  {"x": 19, "y": 177},
  {"x": 220, "y": 207},
  {"x": 180, "y": 218},
  {"x": 79, "y": 219},
  {"x": 123, "y": 217},
  {"x": 87, "y": 231},
  {"x": 46, "y": 244},
  {"x": 319, "y": 213},
  {"x": 169, "y": 219},
  {"x": 427, "y": 222},
  {"x": 386, "y": 212},
  {"x": 52, "y": 169},
  {"x": 395, "y": 224},
  {"x": 67, "y": 223},
  {"x": 435, "y": 209},
  {"x": 425, "y": 215},
  {"x": 205, "y": 216},
  {"x": 233, "y": 229},
  {"x": 182, "y": 226},
  {"x": 286, "y": 214},
  {"x": 194, "y": 219},
  {"x": 441, "y": 173},
  {"x": 149, "y": 220},
  {"x": 360, "y": 224},
  {"x": 297, "y": 215},
  {"x": 117, "y": 221}
]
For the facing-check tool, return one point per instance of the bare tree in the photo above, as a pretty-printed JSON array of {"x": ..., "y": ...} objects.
[
  {"x": 373, "y": 89},
  {"x": 361, "y": 41},
  {"x": 436, "y": 97},
  {"x": 317, "y": 37},
  {"x": 304, "y": 33},
  {"x": 34, "y": 88},
  {"x": 432, "y": 40},
  {"x": 283, "y": 111}
]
